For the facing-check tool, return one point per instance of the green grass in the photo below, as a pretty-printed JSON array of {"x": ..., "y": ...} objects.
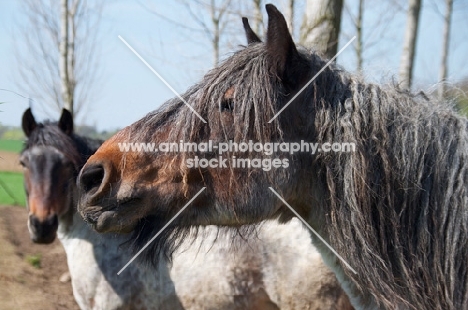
[
  {"x": 12, "y": 189},
  {"x": 11, "y": 145},
  {"x": 34, "y": 260}
]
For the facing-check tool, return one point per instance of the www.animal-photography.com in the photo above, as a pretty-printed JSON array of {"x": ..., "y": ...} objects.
[{"x": 233, "y": 154}]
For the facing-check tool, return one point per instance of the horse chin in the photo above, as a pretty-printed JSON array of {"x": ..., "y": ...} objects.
[
  {"x": 111, "y": 222},
  {"x": 43, "y": 239},
  {"x": 114, "y": 217}
]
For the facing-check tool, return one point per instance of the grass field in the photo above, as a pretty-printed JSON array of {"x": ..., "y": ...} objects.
[
  {"x": 11, "y": 189},
  {"x": 11, "y": 145}
]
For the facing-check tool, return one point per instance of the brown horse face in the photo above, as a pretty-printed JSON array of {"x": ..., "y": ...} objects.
[
  {"x": 48, "y": 178},
  {"x": 116, "y": 187},
  {"x": 49, "y": 175},
  {"x": 121, "y": 188}
]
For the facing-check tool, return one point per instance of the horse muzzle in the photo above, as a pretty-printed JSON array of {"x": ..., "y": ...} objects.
[{"x": 43, "y": 231}]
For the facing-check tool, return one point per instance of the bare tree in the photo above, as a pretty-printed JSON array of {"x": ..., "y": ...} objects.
[
  {"x": 212, "y": 25},
  {"x": 370, "y": 32},
  {"x": 66, "y": 86},
  {"x": 321, "y": 26},
  {"x": 217, "y": 14},
  {"x": 445, "y": 47},
  {"x": 57, "y": 52},
  {"x": 359, "y": 35},
  {"x": 409, "y": 47},
  {"x": 257, "y": 21},
  {"x": 289, "y": 15}
]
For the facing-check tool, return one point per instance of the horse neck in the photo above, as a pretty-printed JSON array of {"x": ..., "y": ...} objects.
[
  {"x": 70, "y": 222},
  {"x": 86, "y": 146}
]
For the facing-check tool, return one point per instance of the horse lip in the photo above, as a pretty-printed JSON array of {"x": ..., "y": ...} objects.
[
  {"x": 93, "y": 216},
  {"x": 105, "y": 220}
]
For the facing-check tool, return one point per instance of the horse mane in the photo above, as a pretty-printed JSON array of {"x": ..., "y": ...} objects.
[{"x": 398, "y": 205}]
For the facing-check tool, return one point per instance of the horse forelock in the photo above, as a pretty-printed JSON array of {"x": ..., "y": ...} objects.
[
  {"x": 74, "y": 147},
  {"x": 248, "y": 73}
]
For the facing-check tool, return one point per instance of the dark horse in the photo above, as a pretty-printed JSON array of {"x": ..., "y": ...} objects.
[
  {"x": 396, "y": 209},
  {"x": 52, "y": 157}
]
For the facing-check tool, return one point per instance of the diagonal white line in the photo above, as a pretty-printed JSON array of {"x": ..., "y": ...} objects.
[
  {"x": 161, "y": 78},
  {"x": 160, "y": 231},
  {"x": 315, "y": 76},
  {"x": 313, "y": 230}
]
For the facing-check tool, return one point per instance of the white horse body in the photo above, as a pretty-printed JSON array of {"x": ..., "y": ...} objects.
[
  {"x": 277, "y": 269},
  {"x": 93, "y": 262},
  {"x": 267, "y": 272}
]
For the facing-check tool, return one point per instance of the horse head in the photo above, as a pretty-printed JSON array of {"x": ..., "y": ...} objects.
[
  {"x": 121, "y": 186},
  {"x": 51, "y": 164}
]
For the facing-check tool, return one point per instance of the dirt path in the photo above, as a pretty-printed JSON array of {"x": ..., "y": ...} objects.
[
  {"x": 23, "y": 286},
  {"x": 9, "y": 161}
]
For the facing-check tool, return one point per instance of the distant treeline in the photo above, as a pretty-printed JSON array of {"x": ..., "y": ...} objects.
[
  {"x": 16, "y": 133},
  {"x": 459, "y": 94}
]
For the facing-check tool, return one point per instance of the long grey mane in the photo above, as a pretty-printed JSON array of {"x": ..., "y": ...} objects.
[{"x": 398, "y": 205}]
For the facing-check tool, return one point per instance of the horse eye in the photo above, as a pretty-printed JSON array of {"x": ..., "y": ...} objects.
[{"x": 227, "y": 105}]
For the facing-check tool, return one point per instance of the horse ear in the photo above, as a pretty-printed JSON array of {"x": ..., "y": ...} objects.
[
  {"x": 28, "y": 122},
  {"x": 249, "y": 33},
  {"x": 279, "y": 43},
  {"x": 66, "y": 122}
]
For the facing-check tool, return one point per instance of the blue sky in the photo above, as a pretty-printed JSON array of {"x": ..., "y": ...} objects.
[{"x": 130, "y": 90}]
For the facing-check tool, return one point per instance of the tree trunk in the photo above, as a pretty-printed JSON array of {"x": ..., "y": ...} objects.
[
  {"x": 215, "y": 38},
  {"x": 71, "y": 54},
  {"x": 258, "y": 17},
  {"x": 66, "y": 32},
  {"x": 64, "y": 74},
  {"x": 409, "y": 47},
  {"x": 359, "y": 35},
  {"x": 290, "y": 16},
  {"x": 321, "y": 26},
  {"x": 445, "y": 47}
]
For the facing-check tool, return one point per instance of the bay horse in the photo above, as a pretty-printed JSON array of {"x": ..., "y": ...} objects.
[
  {"x": 203, "y": 275},
  {"x": 396, "y": 209}
]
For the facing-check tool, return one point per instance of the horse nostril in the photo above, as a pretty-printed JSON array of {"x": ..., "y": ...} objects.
[
  {"x": 52, "y": 220},
  {"x": 91, "y": 178}
]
